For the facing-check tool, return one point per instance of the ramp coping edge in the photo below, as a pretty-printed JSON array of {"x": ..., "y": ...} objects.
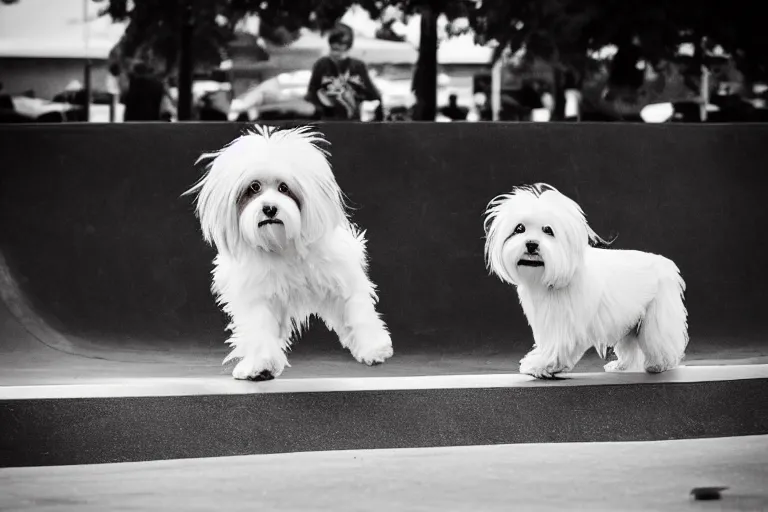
[{"x": 226, "y": 385}]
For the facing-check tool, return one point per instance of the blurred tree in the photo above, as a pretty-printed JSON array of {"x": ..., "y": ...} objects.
[
  {"x": 565, "y": 32},
  {"x": 323, "y": 14},
  {"x": 177, "y": 33},
  {"x": 736, "y": 26},
  {"x": 175, "y": 37},
  {"x": 179, "y": 36},
  {"x": 425, "y": 74}
]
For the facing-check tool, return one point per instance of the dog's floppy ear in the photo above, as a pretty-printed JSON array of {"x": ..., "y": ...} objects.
[
  {"x": 323, "y": 205},
  {"x": 322, "y": 209},
  {"x": 494, "y": 243},
  {"x": 208, "y": 158},
  {"x": 593, "y": 238},
  {"x": 215, "y": 205}
]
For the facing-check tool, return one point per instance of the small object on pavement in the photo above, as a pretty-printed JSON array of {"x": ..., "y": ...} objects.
[{"x": 707, "y": 493}]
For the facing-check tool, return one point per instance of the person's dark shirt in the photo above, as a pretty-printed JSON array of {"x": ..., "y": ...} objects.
[
  {"x": 344, "y": 85},
  {"x": 144, "y": 99}
]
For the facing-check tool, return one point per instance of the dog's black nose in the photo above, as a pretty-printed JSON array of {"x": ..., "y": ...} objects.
[
  {"x": 532, "y": 247},
  {"x": 270, "y": 211}
]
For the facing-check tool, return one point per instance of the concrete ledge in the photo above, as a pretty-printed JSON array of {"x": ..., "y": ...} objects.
[{"x": 457, "y": 411}]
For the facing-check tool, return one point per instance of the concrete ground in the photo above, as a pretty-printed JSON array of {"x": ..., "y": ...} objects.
[
  {"x": 644, "y": 476},
  {"x": 26, "y": 361}
]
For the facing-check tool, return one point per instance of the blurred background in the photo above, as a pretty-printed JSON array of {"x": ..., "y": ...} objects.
[{"x": 429, "y": 60}]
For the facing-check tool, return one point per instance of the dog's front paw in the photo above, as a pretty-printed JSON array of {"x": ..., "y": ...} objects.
[
  {"x": 615, "y": 366},
  {"x": 540, "y": 368},
  {"x": 372, "y": 347},
  {"x": 659, "y": 368},
  {"x": 257, "y": 369},
  {"x": 540, "y": 372}
]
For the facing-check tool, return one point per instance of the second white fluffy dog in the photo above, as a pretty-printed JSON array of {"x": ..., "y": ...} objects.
[
  {"x": 576, "y": 296},
  {"x": 271, "y": 206}
]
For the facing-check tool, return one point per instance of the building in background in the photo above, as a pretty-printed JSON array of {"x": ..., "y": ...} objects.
[{"x": 43, "y": 47}]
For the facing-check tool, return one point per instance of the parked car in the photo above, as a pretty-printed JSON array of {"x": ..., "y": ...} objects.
[
  {"x": 99, "y": 109},
  {"x": 26, "y": 109},
  {"x": 214, "y": 95},
  {"x": 721, "y": 110},
  {"x": 282, "y": 98}
]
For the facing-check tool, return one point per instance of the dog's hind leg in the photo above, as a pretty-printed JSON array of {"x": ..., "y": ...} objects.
[
  {"x": 629, "y": 356},
  {"x": 663, "y": 334}
]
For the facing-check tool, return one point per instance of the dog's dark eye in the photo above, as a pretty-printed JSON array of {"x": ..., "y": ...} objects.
[
  {"x": 255, "y": 187},
  {"x": 548, "y": 231},
  {"x": 283, "y": 188},
  {"x": 519, "y": 229}
]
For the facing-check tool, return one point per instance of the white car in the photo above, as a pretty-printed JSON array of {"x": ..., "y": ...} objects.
[{"x": 287, "y": 90}]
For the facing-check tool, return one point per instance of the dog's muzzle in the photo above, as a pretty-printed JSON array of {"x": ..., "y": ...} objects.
[
  {"x": 270, "y": 221},
  {"x": 531, "y": 257},
  {"x": 532, "y": 251},
  {"x": 269, "y": 212}
]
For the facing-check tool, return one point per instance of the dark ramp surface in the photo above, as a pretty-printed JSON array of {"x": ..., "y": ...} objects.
[{"x": 104, "y": 259}]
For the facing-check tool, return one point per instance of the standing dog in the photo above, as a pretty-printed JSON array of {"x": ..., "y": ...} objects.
[
  {"x": 270, "y": 204},
  {"x": 576, "y": 296}
]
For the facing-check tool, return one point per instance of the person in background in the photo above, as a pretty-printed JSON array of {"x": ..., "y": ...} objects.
[
  {"x": 340, "y": 83},
  {"x": 112, "y": 85},
  {"x": 208, "y": 110},
  {"x": 453, "y": 111},
  {"x": 572, "y": 99},
  {"x": 145, "y": 95},
  {"x": 475, "y": 113},
  {"x": 547, "y": 100}
]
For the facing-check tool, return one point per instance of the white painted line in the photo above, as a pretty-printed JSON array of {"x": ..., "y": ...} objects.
[{"x": 226, "y": 385}]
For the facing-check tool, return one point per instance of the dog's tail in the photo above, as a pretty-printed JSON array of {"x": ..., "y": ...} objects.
[{"x": 663, "y": 332}]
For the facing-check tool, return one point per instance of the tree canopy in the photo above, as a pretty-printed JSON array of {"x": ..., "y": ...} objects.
[
  {"x": 561, "y": 32},
  {"x": 567, "y": 30}
]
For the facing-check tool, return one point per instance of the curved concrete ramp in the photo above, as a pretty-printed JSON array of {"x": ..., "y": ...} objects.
[
  {"x": 101, "y": 256},
  {"x": 110, "y": 341}
]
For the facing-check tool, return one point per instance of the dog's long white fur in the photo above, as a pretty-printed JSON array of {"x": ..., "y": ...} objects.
[
  {"x": 584, "y": 296},
  {"x": 271, "y": 279}
]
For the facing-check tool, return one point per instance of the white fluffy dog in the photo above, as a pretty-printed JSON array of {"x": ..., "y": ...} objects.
[
  {"x": 271, "y": 206},
  {"x": 575, "y": 295}
]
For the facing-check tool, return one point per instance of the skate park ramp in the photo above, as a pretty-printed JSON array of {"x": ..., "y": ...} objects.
[
  {"x": 105, "y": 278},
  {"x": 101, "y": 257}
]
